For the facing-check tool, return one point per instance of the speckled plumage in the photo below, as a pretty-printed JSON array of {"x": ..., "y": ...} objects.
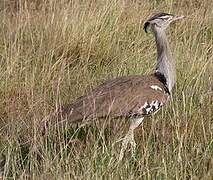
[{"x": 120, "y": 97}]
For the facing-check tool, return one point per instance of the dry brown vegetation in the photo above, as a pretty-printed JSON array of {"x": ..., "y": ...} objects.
[{"x": 53, "y": 51}]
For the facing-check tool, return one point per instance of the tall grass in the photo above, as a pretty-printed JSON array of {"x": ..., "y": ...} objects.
[{"x": 53, "y": 51}]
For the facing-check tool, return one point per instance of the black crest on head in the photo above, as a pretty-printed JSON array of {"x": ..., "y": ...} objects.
[
  {"x": 158, "y": 15},
  {"x": 146, "y": 26}
]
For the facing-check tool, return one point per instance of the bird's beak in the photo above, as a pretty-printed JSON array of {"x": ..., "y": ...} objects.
[{"x": 176, "y": 18}]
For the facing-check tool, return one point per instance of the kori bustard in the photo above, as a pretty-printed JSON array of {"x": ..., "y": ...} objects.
[{"x": 134, "y": 96}]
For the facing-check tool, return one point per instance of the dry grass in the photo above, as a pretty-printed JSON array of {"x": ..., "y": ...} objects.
[{"x": 53, "y": 51}]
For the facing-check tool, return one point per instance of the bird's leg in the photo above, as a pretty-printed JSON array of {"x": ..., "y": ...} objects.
[{"x": 129, "y": 138}]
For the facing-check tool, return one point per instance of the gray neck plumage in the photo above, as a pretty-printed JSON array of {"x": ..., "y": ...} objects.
[{"x": 165, "y": 62}]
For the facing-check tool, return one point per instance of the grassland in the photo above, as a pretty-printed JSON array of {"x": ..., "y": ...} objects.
[{"x": 53, "y": 51}]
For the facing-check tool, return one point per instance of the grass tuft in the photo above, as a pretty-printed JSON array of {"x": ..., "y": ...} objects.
[{"x": 53, "y": 51}]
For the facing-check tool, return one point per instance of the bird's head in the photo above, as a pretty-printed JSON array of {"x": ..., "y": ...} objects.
[{"x": 161, "y": 21}]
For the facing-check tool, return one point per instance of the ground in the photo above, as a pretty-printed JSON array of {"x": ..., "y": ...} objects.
[{"x": 51, "y": 52}]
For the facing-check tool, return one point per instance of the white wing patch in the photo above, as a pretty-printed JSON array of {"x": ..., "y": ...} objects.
[
  {"x": 149, "y": 108},
  {"x": 155, "y": 87}
]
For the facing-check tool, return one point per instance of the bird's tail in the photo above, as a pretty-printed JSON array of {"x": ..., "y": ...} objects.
[{"x": 65, "y": 115}]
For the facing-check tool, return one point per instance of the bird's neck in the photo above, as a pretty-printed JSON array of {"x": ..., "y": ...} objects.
[{"x": 165, "y": 62}]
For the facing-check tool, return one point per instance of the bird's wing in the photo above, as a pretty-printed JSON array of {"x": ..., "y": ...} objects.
[{"x": 124, "y": 96}]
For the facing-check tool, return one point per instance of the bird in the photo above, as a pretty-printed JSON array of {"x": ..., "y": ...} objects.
[{"x": 133, "y": 97}]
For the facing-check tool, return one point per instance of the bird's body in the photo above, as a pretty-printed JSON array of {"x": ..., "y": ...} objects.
[{"x": 131, "y": 96}]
